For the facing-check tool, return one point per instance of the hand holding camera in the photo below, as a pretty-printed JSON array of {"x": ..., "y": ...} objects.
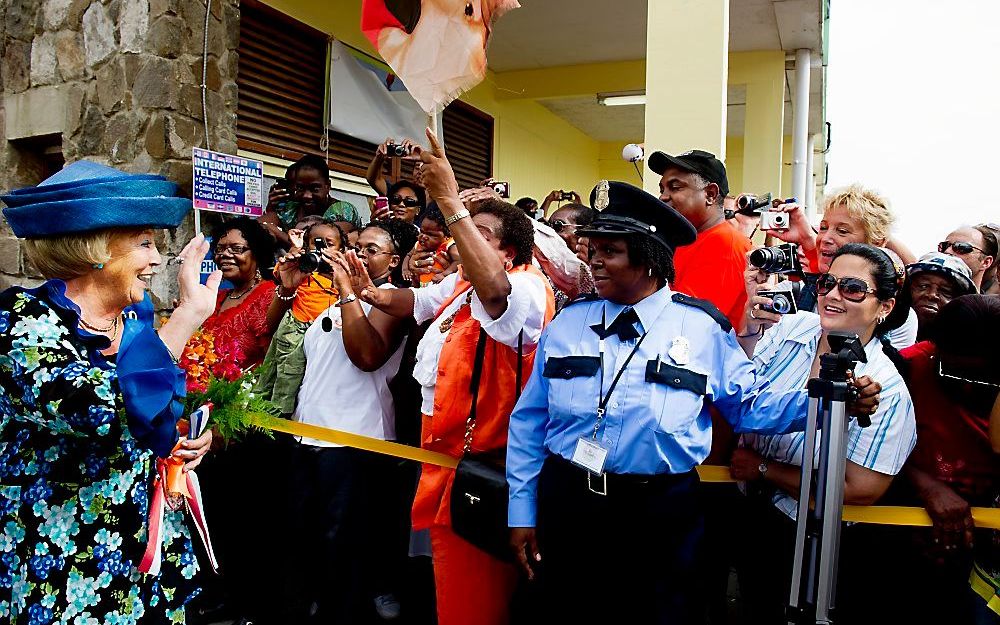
[
  {"x": 390, "y": 147},
  {"x": 787, "y": 221},
  {"x": 759, "y": 314}
]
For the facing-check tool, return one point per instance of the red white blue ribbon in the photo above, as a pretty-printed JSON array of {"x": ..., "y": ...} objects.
[{"x": 153, "y": 557}]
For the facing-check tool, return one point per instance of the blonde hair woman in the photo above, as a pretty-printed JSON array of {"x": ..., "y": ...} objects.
[{"x": 89, "y": 395}]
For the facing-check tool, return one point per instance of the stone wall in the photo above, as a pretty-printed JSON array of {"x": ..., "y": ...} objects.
[{"x": 118, "y": 82}]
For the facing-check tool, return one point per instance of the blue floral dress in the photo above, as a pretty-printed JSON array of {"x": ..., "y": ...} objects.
[{"x": 74, "y": 478}]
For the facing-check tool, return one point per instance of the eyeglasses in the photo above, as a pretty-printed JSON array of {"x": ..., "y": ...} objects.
[
  {"x": 370, "y": 250},
  {"x": 559, "y": 225},
  {"x": 235, "y": 249},
  {"x": 961, "y": 379},
  {"x": 409, "y": 202},
  {"x": 961, "y": 247},
  {"x": 851, "y": 289}
]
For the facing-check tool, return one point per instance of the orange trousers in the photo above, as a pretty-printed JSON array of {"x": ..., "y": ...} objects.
[{"x": 472, "y": 587}]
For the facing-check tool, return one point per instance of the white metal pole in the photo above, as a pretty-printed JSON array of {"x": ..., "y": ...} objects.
[
  {"x": 800, "y": 124},
  {"x": 809, "y": 199}
]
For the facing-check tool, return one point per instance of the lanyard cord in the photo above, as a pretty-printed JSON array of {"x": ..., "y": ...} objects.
[{"x": 602, "y": 403}]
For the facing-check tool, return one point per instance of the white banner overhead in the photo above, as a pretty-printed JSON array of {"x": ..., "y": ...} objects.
[{"x": 370, "y": 103}]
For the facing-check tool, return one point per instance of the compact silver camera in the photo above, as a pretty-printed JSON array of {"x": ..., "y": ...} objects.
[
  {"x": 782, "y": 297},
  {"x": 773, "y": 220}
]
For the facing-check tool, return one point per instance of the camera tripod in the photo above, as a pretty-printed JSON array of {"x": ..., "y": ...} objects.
[{"x": 817, "y": 528}]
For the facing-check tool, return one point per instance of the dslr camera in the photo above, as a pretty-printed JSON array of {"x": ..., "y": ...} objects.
[
  {"x": 782, "y": 259},
  {"x": 394, "y": 149},
  {"x": 313, "y": 260},
  {"x": 566, "y": 196},
  {"x": 782, "y": 297},
  {"x": 501, "y": 188}
]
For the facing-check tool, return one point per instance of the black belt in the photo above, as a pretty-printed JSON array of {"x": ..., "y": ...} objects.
[{"x": 602, "y": 484}]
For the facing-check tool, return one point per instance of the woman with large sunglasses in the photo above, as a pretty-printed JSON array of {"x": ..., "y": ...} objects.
[
  {"x": 853, "y": 214},
  {"x": 856, "y": 295}
]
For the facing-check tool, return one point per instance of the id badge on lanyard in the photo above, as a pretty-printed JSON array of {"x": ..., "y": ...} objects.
[{"x": 590, "y": 454}]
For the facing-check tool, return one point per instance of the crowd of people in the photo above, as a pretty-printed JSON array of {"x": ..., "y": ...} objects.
[{"x": 589, "y": 354}]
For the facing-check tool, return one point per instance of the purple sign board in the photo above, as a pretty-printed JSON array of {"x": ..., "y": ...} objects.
[{"x": 227, "y": 184}]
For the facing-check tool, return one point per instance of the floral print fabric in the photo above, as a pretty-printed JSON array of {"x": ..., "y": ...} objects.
[{"x": 73, "y": 481}]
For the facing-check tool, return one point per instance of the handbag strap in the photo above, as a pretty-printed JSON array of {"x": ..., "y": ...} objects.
[{"x": 477, "y": 374}]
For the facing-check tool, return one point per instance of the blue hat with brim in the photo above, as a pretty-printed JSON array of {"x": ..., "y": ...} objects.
[{"x": 87, "y": 196}]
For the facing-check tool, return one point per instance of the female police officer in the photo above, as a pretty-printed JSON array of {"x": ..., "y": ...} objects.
[{"x": 605, "y": 439}]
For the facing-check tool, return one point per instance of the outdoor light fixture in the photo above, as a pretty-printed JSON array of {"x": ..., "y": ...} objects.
[{"x": 626, "y": 98}]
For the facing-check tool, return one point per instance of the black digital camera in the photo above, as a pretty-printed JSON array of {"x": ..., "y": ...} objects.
[
  {"x": 782, "y": 258},
  {"x": 782, "y": 298},
  {"x": 394, "y": 149},
  {"x": 313, "y": 260}
]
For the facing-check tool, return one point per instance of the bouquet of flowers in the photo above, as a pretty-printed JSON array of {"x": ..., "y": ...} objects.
[{"x": 214, "y": 378}]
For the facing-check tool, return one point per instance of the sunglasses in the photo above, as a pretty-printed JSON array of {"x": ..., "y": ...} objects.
[
  {"x": 961, "y": 247},
  {"x": 409, "y": 202},
  {"x": 851, "y": 289},
  {"x": 961, "y": 379},
  {"x": 559, "y": 226}
]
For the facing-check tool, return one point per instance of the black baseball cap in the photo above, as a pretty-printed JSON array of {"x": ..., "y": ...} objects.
[
  {"x": 628, "y": 210},
  {"x": 698, "y": 161}
]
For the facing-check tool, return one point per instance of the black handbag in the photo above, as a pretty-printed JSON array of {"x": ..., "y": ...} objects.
[{"x": 479, "y": 494}]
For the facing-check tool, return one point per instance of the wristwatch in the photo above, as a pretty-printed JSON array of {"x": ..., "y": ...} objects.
[
  {"x": 462, "y": 214},
  {"x": 346, "y": 300},
  {"x": 762, "y": 467}
]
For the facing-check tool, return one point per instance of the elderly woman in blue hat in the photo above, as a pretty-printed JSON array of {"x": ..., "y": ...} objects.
[{"x": 89, "y": 397}]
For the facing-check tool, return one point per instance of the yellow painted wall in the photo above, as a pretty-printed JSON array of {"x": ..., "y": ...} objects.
[
  {"x": 734, "y": 166},
  {"x": 535, "y": 150},
  {"x": 612, "y": 167}
]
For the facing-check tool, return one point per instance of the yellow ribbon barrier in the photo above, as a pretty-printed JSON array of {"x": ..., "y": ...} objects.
[{"x": 881, "y": 515}]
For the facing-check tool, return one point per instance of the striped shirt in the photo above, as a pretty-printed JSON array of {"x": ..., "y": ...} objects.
[{"x": 785, "y": 354}]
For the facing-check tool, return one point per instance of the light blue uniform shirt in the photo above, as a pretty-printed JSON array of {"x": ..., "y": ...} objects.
[{"x": 650, "y": 427}]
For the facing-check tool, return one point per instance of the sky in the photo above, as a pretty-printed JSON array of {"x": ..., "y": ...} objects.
[{"x": 913, "y": 96}]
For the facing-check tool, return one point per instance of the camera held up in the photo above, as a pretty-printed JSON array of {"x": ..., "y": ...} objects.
[
  {"x": 313, "y": 260},
  {"x": 751, "y": 205},
  {"x": 395, "y": 149},
  {"x": 782, "y": 297},
  {"x": 783, "y": 259}
]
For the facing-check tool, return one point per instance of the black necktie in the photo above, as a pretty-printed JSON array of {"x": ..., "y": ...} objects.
[{"x": 623, "y": 326}]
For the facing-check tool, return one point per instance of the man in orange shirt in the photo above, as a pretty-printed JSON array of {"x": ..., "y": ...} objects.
[{"x": 695, "y": 184}]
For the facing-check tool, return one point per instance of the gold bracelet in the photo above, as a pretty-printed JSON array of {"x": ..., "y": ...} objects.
[{"x": 462, "y": 214}]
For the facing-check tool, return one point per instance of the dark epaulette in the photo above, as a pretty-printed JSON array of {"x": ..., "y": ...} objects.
[
  {"x": 583, "y": 297},
  {"x": 706, "y": 306}
]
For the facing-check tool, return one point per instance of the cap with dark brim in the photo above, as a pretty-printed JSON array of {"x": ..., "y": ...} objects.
[
  {"x": 705, "y": 164},
  {"x": 629, "y": 210}
]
